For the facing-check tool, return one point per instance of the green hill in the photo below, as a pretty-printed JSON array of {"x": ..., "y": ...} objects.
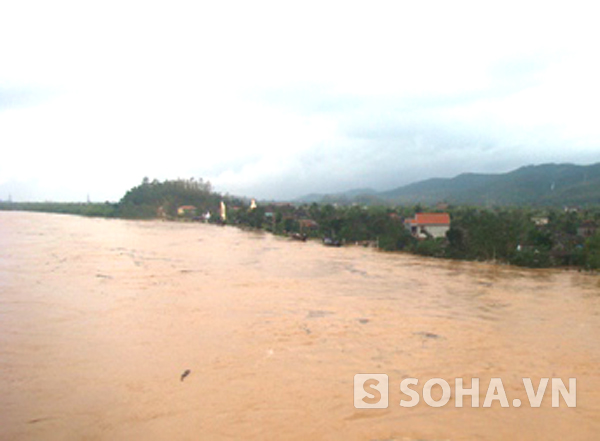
[
  {"x": 538, "y": 185},
  {"x": 547, "y": 185}
]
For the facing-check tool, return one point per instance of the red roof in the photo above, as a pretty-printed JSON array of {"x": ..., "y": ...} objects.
[{"x": 432, "y": 219}]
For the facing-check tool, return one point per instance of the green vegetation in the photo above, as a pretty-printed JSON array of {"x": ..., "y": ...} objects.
[
  {"x": 149, "y": 200},
  {"x": 517, "y": 236},
  {"x": 591, "y": 252},
  {"x": 105, "y": 209},
  {"x": 153, "y": 199},
  {"x": 506, "y": 235},
  {"x": 524, "y": 236},
  {"x": 547, "y": 185}
]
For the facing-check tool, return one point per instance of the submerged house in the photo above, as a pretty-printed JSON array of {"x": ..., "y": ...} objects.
[
  {"x": 425, "y": 225},
  {"x": 186, "y": 210},
  {"x": 308, "y": 224}
]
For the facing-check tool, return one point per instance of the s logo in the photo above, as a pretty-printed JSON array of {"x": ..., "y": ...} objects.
[{"x": 371, "y": 391}]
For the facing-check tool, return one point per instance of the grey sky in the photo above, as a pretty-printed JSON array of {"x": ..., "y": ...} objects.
[{"x": 274, "y": 100}]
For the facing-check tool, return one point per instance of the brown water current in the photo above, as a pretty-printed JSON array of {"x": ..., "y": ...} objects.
[{"x": 100, "y": 318}]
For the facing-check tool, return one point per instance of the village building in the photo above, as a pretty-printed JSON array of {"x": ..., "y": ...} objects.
[
  {"x": 586, "y": 229},
  {"x": 540, "y": 221},
  {"x": 425, "y": 225},
  {"x": 395, "y": 217},
  {"x": 186, "y": 210},
  {"x": 308, "y": 224}
]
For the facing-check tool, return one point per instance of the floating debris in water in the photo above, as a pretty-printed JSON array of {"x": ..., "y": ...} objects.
[
  {"x": 363, "y": 321},
  {"x": 185, "y": 374},
  {"x": 409, "y": 439},
  {"x": 427, "y": 334},
  {"x": 38, "y": 420},
  {"x": 317, "y": 313}
]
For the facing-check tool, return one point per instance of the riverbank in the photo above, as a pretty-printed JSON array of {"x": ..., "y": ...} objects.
[{"x": 584, "y": 254}]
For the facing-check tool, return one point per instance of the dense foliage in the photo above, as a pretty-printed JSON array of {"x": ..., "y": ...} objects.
[
  {"x": 152, "y": 199},
  {"x": 532, "y": 237},
  {"x": 105, "y": 209},
  {"x": 518, "y": 236}
]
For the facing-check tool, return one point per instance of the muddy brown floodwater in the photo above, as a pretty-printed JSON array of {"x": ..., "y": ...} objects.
[{"x": 99, "y": 319}]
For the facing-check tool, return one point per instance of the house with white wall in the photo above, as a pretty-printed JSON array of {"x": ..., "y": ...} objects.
[{"x": 425, "y": 225}]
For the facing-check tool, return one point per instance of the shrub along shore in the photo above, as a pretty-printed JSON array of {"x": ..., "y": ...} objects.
[{"x": 522, "y": 236}]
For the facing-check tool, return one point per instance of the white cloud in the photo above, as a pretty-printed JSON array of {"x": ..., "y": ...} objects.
[{"x": 273, "y": 99}]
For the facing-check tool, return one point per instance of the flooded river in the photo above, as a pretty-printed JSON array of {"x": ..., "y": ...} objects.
[{"x": 99, "y": 319}]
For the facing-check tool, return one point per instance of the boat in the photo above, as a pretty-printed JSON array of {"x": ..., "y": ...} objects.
[
  {"x": 299, "y": 236},
  {"x": 329, "y": 242}
]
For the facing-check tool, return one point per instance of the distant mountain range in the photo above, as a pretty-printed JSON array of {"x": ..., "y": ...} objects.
[{"x": 538, "y": 185}]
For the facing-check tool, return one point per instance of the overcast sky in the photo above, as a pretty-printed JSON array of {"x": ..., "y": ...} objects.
[{"x": 280, "y": 99}]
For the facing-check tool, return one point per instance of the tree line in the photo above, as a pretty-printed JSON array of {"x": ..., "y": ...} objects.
[
  {"x": 506, "y": 235},
  {"x": 518, "y": 236}
]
